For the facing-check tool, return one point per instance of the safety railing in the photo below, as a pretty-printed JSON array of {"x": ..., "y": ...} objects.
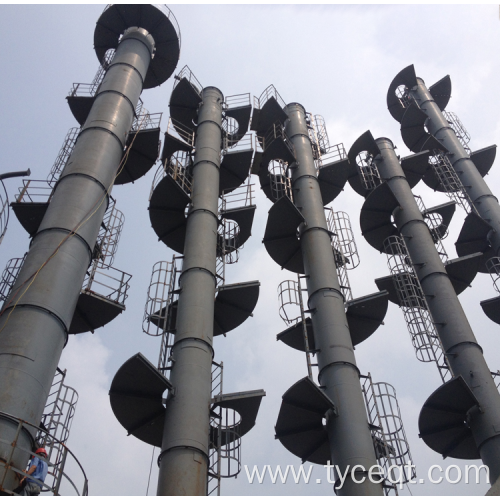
[
  {"x": 146, "y": 121},
  {"x": 58, "y": 482},
  {"x": 462, "y": 135},
  {"x": 493, "y": 267},
  {"x": 269, "y": 92},
  {"x": 413, "y": 303},
  {"x": 189, "y": 76},
  {"x": 240, "y": 197},
  {"x": 434, "y": 223},
  {"x": 228, "y": 244},
  {"x": 111, "y": 284},
  {"x": 277, "y": 131},
  {"x": 342, "y": 239},
  {"x": 178, "y": 167},
  {"x": 389, "y": 438},
  {"x": 63, "y": 155},
  {"x": 322, "y": 134},
  {"x": 340, "y": 224},
  {"x": 9, "y": 277},
  {"x": 90, "y": 89},
  {"x": 177, "y": 129},
  {"x": 109, "y": 236},
  {"x": 161, "y": 294},
  {"x": 4, "y": 211},
  {"x": 367, "y": 170},
  {"x": 496, "y": 378},
  {"x": 333, "y": 153},
  {"x": 450, "y": 182},
  {"x": 34, "y": 191},
  {"x": 289, "y": 300},
  {"x": 225, "y": 439},
  {"x": 237, "y": 101},
  {"x": 403, "y": 94},
  {"x": 292, "y": 310},
  {"x": 313, "y": 136},
  {"x": 57, "y": 418},
  {"x": 280, "y": 181},
  {"x": 159, "y": 311},
  {"x": 231, "y": 145}
]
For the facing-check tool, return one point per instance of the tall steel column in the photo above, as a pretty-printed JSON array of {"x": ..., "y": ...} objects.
[
  {"x": 463, "y": 354},
  {"x": 184, "y": 456},
  {"x": 35, "y": 322},
  {"x": 480, "y": 194},
  {"x": 345, "y": 438},
  {"x": 196, "y": 189}
]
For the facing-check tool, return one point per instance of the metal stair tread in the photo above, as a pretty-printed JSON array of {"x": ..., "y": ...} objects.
[
  {"x": 167, "y": 213},
  {"x": 118, "y": 17},
  {"x": 407, "y": 77},
  {"x": 365, "y": 142},
  {"x": 415, "y": 166},
  {"x": 441, "y": 92},
  {"x": 280, "y": 237},
  {"x": 270, "y": 113},
  {"x": 332, "y": 178},
  {"x": 93, "y": 311},
  {"x": 483, "y": 159},
  {"x": 30, "y": 214},
  {"x": 184, "y": 102},
  {"x": 442, "y": 420},
  {"x": 234, "y": 169},
  {"x": 141, "y": 156},
  {"x": 375, "y": 217},
  {"x": 491, "y": 308},
  {"x": 136, "y": 397},
  {"x": 413, "y": 131}
]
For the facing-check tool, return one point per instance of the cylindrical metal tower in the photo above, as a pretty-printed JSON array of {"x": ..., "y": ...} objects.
[
  {"x": 184, "y": 457},
  {"x": 426, "y": 125},
  {"x": 325, "y": 424},
  {"x": 350, "y": 439},
  {"x": 188, "y": 210},
  {"x": 35, "y": 322},
  {"x": 471, "y": 395}
]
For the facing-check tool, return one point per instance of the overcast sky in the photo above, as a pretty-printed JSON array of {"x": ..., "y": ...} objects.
[{"x": 338, "y": 61}]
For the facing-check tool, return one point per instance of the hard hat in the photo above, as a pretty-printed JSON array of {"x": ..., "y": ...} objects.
[{"x": 41, "y": 450}]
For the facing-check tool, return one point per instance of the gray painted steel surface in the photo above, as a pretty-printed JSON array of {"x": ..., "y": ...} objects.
[
  {"x": 480, "y": 194},
  {"x": 464, "y": 355},
  {"x": 348, "y": 432},
  {"x": 38, "y": 313},
  {"x": 185, "y": 445}
]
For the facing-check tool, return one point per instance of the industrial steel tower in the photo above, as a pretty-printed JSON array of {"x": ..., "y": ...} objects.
[
  {"x": 206, "y": 159},
  {"x": 461, "y": 418},
  {"x": 138, "y": 47},
  {"x": 327, "y": 423},
  {"x": 455, "y": 169}
]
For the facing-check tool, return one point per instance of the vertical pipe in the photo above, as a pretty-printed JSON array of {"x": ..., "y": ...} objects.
[
  {"x": 35, "y": 321},
  {"x": 349, "y": 435},
  {"x": 483, "y": 199},
  {"x": 464, "y": 355},
  {"x": 184, "y": 455}
]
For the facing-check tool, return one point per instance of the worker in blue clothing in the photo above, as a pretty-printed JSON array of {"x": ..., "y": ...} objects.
[{"x": 37, "y": 470}]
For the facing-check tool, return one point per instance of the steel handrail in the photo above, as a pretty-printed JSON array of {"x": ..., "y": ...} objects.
[{"x": 14, "y": 444}]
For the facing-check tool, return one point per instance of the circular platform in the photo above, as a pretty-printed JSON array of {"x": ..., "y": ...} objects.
[{"x": 158, "y": 20}]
